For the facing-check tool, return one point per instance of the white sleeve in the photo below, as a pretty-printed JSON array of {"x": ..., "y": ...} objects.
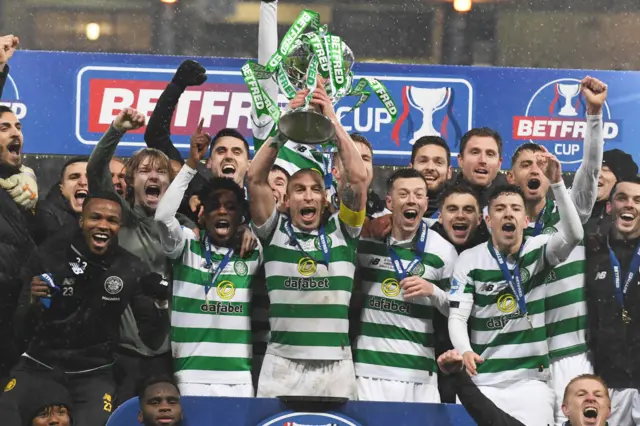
[
  {"x": 440, "y": 293},
  {"x": 265, "y": 230},
  {"x": 172, "y": 237},
  {"x": 570, "y": 231},
  {"x": 584, "y": 191},
  {"x": 268, "y": 42},
  {"x": 460, "y": 305}
]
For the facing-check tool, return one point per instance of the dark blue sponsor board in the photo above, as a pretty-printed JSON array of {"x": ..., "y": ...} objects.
[{"x": 66, "y": 101}]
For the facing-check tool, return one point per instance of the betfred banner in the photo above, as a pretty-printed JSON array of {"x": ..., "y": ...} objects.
[{"x": 67, "y": 100}]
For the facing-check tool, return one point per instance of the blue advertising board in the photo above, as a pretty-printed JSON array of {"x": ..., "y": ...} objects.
[
  {"x": 67, "y": 100},
  {"x": 207, "y": 411}
]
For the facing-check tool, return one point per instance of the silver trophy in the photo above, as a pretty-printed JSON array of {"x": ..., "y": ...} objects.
[{"x": 307, "y": 125}]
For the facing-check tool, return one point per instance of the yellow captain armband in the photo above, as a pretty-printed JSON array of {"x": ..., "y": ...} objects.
[{"x": 351, "y": 218}]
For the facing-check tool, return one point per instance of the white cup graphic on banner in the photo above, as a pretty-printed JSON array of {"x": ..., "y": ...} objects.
[
  {"x": 427, "y": 101},
  {"x": 568, "y": 92}
]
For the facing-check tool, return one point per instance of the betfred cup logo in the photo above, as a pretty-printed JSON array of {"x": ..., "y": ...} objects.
[{"x": 427, "y": 101}]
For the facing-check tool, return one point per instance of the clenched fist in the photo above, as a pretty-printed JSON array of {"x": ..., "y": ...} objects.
[
  {"x": 595, "y": 93},
  {"x": 8, "y": 45},
  {"x": 129, "y": 119}
]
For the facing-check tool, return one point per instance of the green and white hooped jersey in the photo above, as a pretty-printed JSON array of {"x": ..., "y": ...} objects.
[
  {"x": 565, "y": 303},
  {"x": 396, "y": 340},
  {"x": 211, "y": 342},
  {"x": 511, "y": 348},
  {"x": 310, "y": 302}
]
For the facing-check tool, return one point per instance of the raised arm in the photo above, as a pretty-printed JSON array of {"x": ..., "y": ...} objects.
[
  {"x": 8, "y": 45},
  {"x": 354, "y": 187},
  {"x": 158, "y": 132},
  {"x": 585, "y": 184},
  {"x": 263, "y": 203},
  {"x": 268, "y": 42},
  {"x": 570, "y": 231},
  {"x": 171, "y": 236},
  {"x": 98, "y": 173}
]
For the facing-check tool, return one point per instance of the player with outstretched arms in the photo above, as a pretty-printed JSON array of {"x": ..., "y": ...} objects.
[{"x": 498, "y": 291}]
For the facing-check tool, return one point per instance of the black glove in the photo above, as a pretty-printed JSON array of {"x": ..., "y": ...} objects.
[
  {"x": 154, "y": 285},
  {"x": 190, "y": 73}
]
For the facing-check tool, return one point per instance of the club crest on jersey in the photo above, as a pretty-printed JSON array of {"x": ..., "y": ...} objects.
[
  {"x": 524, "y": 275},
  {"x": 549, "y": 230},
  {"x": 307, "y": 267},
  {"x": 226, "y": 290},
  {"x": 113, "y": 285},
  {"x": 240, "y": 268},
  {"x": 418, "y": 270},
  {"x": 507, "y": 303},
  {"x": 316, "y": 243},
  {"x": 390, "y": 287}
]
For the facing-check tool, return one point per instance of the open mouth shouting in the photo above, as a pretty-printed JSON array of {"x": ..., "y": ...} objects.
[
  {"x": 152, "y": 191},
  {"x": 509, "y": 229},
  {"x": 15, "y": 150},
  {"x": 534, "y": 183},
  {"x": 308, "y": 214},
  {"x": 80, "y": 196},
  {"x": 223, "y": 227},
  {"x": 410, "y": 214},
  {"x": 228, "y": 170},
  {"x": 590, "y": 414},
  {"x": 460, "y": 229}
]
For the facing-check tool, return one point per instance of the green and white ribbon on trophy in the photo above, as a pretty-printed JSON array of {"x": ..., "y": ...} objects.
[{"x": 306, "y": 50}]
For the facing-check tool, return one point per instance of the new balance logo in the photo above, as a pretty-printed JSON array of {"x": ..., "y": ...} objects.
[
  {"x": 487, "y": 287},
  {"x": 601, "y": 275},
  {"x": 375, "y": 261}
]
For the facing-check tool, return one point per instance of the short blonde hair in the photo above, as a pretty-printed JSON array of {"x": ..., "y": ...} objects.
[{"x": 584, "y": 377}]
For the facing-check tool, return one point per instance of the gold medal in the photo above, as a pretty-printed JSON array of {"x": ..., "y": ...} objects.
[{"x": 625, "y": 317}]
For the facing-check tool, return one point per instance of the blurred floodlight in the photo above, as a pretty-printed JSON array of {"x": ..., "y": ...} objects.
[
  {"x": 93, "y": 31},
  {"x": 462, "y": 5}
]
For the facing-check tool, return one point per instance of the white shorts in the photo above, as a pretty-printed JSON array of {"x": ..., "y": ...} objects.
[
  {"x": 370, "y": 389},
  {"x": 530, "y": 401},
  {"x": 216, "y": 389},
  {"x": 625, "y": 407},
  {"x": 563, "y": 370},
  {"x": 287, "y": 377}
]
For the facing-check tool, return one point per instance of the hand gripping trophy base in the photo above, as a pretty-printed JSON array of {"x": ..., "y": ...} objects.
[{"x": 306, "y": 127}]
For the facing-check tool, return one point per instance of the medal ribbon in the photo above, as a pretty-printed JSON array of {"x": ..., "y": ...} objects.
[
  {"x": 513, "y": 279},
  {"x": 539, "y": 222},
  {"x": 223, "y": 263},
  {"x": 619, "y": 290},
  {"x": 420, "y": 249},
  {"x": 322, "y": 237}
]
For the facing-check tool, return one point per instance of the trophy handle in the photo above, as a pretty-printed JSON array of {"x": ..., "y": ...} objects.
[
  {"x": 446, "y": 100},
  {"x": 408, "y": 90}
]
